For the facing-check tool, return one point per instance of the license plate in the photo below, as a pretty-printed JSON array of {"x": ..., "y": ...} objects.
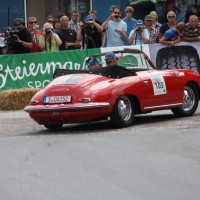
[{"x": 57, "y": 99}]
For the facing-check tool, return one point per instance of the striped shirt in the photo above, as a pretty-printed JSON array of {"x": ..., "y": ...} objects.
[
  {"x": 154, "y": 35},
  {"x": 74, "y": 26},
  {"x": 190, "y": 32}
]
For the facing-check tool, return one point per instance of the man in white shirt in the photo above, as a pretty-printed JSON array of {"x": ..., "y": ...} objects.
[{"x": 115, "y": 28}]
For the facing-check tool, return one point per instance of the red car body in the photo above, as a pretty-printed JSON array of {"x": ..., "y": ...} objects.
[{"x": 115, "y": 92}]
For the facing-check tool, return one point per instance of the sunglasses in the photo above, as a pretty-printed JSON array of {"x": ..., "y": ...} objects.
[
  {"x": 116, "y": 12},
  {"x": 50, "y": 21},
  {"x": 171, "y": 16},
  {"x": 34, "y": 22}
]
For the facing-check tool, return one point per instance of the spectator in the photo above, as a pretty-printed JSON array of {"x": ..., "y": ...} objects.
[
  {"x": 23, "y": 42},
  {"x": 97, "y": 34},
  {"x": 49, "y": 41},
  {"x": 111, "y": 59},
  {"x": 2, "y": 44},
  {"x": 181, "y": 11},
  {"x": 171, "y": 17},
  {"x": 173, "y": 35},
  {"x": 57, "y": 26},
  {"x": 50, "y": 19},
  {"x": 104, "y": 42},
  {"x": 130, "y": 21},
  {"x": 73, "y": 23},
  {"x": 161, "y": 11},
  {"x": 139, "y": 35},
  {"x": 155, "y": 23},
  {"x": 192, "y": 31},
  {"x": 115, "y": 28},
  {"x": 90, "y": 33},
  {"x": 154, "y": 33},
  {"x": 68, "y": 36},
  {"x": 193, "y": 10},
  {"x": 33, "y": 28}
]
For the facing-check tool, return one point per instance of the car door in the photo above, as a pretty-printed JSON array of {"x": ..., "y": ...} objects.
[{"x": 159, "y": 88}]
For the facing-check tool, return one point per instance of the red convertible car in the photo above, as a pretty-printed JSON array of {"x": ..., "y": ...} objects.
[{"x": 118, "y": 93}]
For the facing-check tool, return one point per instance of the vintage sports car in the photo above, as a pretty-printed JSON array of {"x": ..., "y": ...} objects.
[{"x": 117, "y": 93}]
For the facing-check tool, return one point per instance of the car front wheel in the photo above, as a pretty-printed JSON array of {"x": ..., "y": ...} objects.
[
  {"x": 123, "y": 112},
  {"x": 190, "y": 102}
]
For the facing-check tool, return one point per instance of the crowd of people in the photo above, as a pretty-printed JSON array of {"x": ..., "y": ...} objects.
[{"x": 68, "y": 33}]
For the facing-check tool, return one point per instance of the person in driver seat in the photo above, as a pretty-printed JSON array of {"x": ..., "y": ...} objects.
[
  {"x": 113, "y": 70},
  {"x": 111, "y": 59}
]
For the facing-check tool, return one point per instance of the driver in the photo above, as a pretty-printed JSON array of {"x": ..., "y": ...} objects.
[{"x": 111, "y": 59}]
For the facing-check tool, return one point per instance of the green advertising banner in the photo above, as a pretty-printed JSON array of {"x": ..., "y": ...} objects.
[{"x": 35, "y": 70}]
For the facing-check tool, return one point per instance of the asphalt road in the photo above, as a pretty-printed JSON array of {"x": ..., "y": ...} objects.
[{"x": 158, "y": 158}]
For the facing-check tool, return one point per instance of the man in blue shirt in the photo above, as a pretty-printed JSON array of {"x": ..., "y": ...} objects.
[
  {"x": 173, "y": 35},
  {"x": 139, "y": 35},
  {"x": 130, "y": 21}
]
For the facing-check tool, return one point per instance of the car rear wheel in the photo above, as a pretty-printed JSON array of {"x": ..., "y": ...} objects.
[
  {"x": 123, "y": 112},
  {"x": 53, "y": 126},
  {"x": 190, "y": 104}
]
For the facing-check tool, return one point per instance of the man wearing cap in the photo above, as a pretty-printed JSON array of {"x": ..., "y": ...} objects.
[
  {"x": 94, "y": 63},
  {"x": 139, "y": 35},
  {"x": 154, "y": 33},
  {"x": 115, "y": 29},
  {"x": 89, "y": 30},
  {"x": 130, "y": 21},
  {"x": 97, "y": 35},
  {"x": 114, "y": 70},
  {"x": 68, "y": 36},
  {"x": 22, "y": 42},
  {"x": 111, "y": 59}
]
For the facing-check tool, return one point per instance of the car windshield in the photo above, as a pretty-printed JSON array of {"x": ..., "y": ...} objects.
[
  {"x": 129, "y": 60},
  {"x": 134, "y": 61}
]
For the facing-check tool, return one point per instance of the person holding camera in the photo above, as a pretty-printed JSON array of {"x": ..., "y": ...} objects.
[
  {"x": 2, "y": 44},
  {"x": 90, "y": 33},
  {"x": 139, "y": 35},
  {"x": 49, "y": 41},
  {"x": 115, "y": 28},
  {"x": 21, "y": 38}
]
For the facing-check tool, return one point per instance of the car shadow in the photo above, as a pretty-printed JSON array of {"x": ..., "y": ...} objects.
[{"x": 104, "y": 125}]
